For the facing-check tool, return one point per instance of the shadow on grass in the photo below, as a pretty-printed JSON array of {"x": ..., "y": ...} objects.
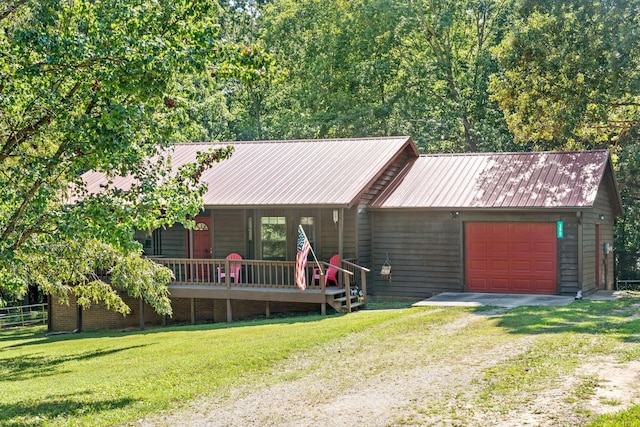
[
  {"x": 29, "y": 336},
  {"x": 22, "y": 333},
  {"x": 620, "y": 317},
  {"x": 25, "y": 367},
  {"x": 33, "y": 337},
  {"x": 36, "y": 412}
]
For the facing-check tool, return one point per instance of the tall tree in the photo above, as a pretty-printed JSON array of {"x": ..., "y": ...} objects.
[
  {"x": 388, "y": 67},
  {"x": 341, "y": 64},
  {"x": 92, "y": 85},
  {"x": 570, "y": 79},
  {"x": 449, "y": 44},
  {"x": 571, "y": 72}
]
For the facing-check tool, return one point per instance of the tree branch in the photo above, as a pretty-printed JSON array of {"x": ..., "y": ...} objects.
[
  {"x": 11, "y": 9},
  {"x": 26, "y": 132},
  {"x": 10, "y": 227}
]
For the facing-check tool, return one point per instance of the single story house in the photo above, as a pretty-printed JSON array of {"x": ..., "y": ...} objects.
[{"x": 405, "y": 225}]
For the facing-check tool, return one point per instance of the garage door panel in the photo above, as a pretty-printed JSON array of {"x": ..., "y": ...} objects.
[
  {"x": 522, "y": 285},
  {"x": 545, "y": 265},
  {"x": 478, "y": 246},
  {"x": 498, "y": 246},
  {"x": 522, "y": 266},
  {"x": 498, "y": 265},
  {"x": 497, "y": 285},
  {"x": 544, "y": 247},
  {"x": 521, "y": 247},
  {"x": 478, "y": 265},
  {"x": 511, "y": 257}
]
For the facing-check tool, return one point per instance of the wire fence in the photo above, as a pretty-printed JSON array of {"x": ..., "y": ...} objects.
[
  {"x": 628, "y": 285},
  {"x": 23, "y": 315}
]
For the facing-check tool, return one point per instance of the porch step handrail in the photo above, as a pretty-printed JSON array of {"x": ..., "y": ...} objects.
[
  {"x": 366, "y": 270},
  {"x": 337, "y": 268},
  {"x": 347, "y": 285}
]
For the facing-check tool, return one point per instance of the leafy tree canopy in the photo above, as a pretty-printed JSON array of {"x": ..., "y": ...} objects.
[
  {"x": 571, "y": 74},
  {"x": 95, "y": 85}
]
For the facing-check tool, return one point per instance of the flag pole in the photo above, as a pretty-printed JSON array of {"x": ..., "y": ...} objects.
[{"x": 312, "y": 252}]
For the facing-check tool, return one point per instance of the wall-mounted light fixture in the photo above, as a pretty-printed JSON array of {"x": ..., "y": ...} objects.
[
  {"x": 601, "y": 217},
  {"x": 335, "y": 216},
  {"x": 454, "y": 215}
]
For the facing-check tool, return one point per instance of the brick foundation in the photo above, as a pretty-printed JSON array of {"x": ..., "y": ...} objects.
[{"x": 65, "y": 317}]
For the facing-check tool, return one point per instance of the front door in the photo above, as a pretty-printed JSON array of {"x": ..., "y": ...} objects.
[{"x": 201, "y": 246}]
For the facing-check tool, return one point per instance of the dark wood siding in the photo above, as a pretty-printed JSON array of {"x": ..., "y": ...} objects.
[
  {"x": 229, "y": 234},
  {"x": 424, "y": 253},
  {"x": 363, "y": 216},
  {"x": 364, "y": 238},
  {"x": 328, "y": 236},
  {"x": 174, "y": 242},
  {"x": 350, "y": 233},
  {"x": 426, "y": 249},
  {"x": 568, "y": 257},
  {"x": 602, "y": 206}
]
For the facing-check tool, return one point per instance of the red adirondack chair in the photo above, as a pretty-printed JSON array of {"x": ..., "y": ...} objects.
[
  {"x": 234, "y": 268},
  {"x": 331, "y": 273}
]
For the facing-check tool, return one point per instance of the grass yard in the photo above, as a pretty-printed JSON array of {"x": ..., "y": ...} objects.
[{"x": 508, "y": 357}]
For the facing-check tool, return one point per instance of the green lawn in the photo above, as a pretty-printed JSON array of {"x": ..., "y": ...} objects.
[{"x": 111, "y": 378}]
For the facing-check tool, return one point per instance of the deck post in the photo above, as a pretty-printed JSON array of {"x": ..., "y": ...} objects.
[
  {"x": 363, "y": 279},
  {"x": 229, "y": 314},
  {"x": 193, "y": 311},
  {"x": 347, "y": 289},
  {"x": 227, "y": 276},
  {"x": 267, "y": 309},
  {"x": 323, "y": 309}
]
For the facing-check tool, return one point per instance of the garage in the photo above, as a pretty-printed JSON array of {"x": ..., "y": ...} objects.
[{"x": 513, "y": 257}]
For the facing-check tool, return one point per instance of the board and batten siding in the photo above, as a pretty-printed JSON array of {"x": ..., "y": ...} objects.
[{"x": 424, "y": 252}]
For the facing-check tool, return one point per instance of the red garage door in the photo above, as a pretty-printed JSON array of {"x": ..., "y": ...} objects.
[{"x": 516, "y": 257}]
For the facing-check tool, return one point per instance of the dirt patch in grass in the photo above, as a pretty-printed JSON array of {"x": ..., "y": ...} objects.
[{"x": 436, "y": 370}]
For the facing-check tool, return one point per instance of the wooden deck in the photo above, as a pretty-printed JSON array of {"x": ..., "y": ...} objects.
[{"x": 270, "y": 281}]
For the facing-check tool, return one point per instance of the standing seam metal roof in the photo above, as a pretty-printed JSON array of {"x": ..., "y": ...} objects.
[
  {"x": 324, "y": 172},
  {"x": 498, "y": 180}
]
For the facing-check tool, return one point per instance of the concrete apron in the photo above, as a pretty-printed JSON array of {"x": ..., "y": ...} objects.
[{"x": 473, "y": 299}]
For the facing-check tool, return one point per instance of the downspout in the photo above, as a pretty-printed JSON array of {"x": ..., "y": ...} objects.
[
  {"x": 79, "y": 319},
  {"x": 580, "y": 256},
  {"x": 49, "y": 316}
]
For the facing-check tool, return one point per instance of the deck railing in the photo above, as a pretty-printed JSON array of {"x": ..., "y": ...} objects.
[{"x": 257, "y": 273}]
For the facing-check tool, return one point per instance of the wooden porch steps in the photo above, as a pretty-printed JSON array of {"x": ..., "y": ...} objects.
[{"x": 339, "y": 303}]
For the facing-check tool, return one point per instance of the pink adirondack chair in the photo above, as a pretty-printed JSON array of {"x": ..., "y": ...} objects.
[
  {"x": 234, "y": 269},
  {"x": 331, "y": 273}
]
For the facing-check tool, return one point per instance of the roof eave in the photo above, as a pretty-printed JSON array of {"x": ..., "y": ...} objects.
[{"x": 484, "y": 208}]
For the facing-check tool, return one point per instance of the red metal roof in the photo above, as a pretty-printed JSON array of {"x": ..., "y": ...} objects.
[
  {"x": 498, "y": 180},
  {"x": 325, "y": 172}
]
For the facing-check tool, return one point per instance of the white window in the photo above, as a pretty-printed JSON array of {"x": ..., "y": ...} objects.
[{"x": 273, "y": 237}]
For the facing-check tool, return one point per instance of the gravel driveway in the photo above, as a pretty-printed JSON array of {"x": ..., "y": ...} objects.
[{"x": 397, "y": 381}]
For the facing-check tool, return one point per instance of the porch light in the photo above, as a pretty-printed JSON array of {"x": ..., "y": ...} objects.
[
  {"x": 601, "y": 217},
  {"x": 454, "y": 215}
]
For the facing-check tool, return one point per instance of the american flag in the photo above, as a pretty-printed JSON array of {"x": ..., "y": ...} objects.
[{"x": 301, "y": 259}]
